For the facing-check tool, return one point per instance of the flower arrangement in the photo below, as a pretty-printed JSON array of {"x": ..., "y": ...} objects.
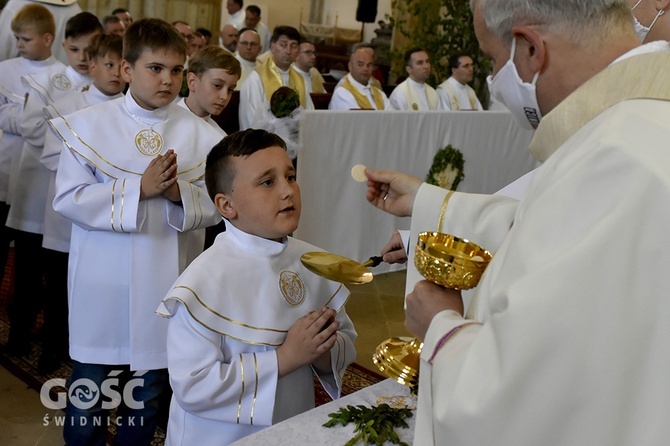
[
  {"x": 447, "y": 168},
  {"x": 284, "y": 101},
  {"x": 282, "y": 116}
]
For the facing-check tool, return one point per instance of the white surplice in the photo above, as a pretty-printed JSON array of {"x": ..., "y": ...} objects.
[
  {"x": 252, "y": 97},
  {"x": 230, "y": 310},
  {"x": 61, "y": 12},
  {"x": 570, "y": 334},
  {"x": 57, "y": 229},
  {"x": 208, "y": 119},
  {"x": 29, "y": 183},
  {"x": 457, "y": 96},
  {"x": 247, "y": 67},
  {"x": 12, "y": 99},
  {"x": 125, "y": 253},
  {"x": 342, "y": 99},
  {"x": 418, "y": 98}
]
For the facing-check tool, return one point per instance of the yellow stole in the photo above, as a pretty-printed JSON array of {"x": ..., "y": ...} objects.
[
  {"x": 413, "y": 98},
  {"x": 271, "y": 79},
  {"x": 361, "y": 99},
  {"x": 453, "y": 96},
  {"x": 638, "y": 77},
  {"x": 317, "y": 83}
]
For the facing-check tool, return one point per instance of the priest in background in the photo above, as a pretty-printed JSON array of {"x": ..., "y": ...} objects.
[
  {"x": 414, "y": 93},
  {"x": 455, "y": 91}
]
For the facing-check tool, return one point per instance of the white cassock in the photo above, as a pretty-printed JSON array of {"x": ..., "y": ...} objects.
[
  {"x": 12, "y": 99},
  {"x": 62, "y": 10},
  {"x": 237, "y": 19},
  {"x": 309, "y": 86},
  {"x": 265, "y": 35},
  {"x": 29, "y": 183},
  {"x": 411, "y": 95},
  {"x": 57, "y": 229},
  {"x": 252, "y": 96},
  {"x": 230, "y": 310},
  {"x": 457, "y": 96},
  {"x": 342, "y": 99},
  {"x": 125, "y": 253},
  {"x": 247, "y": 67},
  {"x": 568, "y": 342},
  {"x": 208, "y": 119}
]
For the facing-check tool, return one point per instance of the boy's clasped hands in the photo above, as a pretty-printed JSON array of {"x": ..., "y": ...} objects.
[
  {"x": 309, "y": 341},
  {"x": 160, "y": 178}
]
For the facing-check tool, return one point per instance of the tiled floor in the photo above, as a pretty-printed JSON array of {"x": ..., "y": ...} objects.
[{"x": 375, "y": 308}]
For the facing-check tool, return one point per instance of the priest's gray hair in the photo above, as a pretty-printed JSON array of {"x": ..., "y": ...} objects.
[{"x": 579, "y": 21}]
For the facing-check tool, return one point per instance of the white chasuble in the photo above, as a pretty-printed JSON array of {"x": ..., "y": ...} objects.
[
  {"x": 229, "y": 311},
  {"x": 125, "y": 253},
  {"x": 567, "y": 335}
]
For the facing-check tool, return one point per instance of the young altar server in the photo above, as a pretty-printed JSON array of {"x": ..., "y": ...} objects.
[
  {"x": 212, "y": 77},
  {"x": 249, "y": 324},
  {"x": 29, "y": 179},
  {"x": 131, "y": 179},
  {"x": 104, "y": 52},
  {"x": 34, "y": 28}
]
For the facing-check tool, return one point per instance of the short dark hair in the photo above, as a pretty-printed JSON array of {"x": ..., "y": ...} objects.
[
  {"x": 82, "y": 24},
  {"x": 408, "y": 54},
  {"x": 110, "y": 19},
  {"x": 288, "y": 31},
  {"x": 254, "y": 10},
  {"x": 239, "y": 2},
  {"x": 152, "y": 34},
  {"x": 119, "y": 11},
  {"x": 455, "y": 60},
  {"x": 219, "y": 171},
  {"x": 204, "y": 31},
  {"x": 104, "y": 44}
]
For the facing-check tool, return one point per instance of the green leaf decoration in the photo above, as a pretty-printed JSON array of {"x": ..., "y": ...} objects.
[
  {"x": 374, "y": 425},
  {"x": 283, "y": 101},
  {"x": 447, "y": 168}
]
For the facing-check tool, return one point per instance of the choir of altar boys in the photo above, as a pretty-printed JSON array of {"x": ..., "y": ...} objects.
[{"x": 234, "y": 369}]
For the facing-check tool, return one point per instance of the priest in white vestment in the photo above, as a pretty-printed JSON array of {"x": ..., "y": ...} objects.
[
  {"x": 248, "y": 49},
  {"x": 566, "y": 339},
  {"x": 311, "y": 80},
  {"x": 252, "y": 19},
  {"x": 414, "y": 93},
  {"x": 358, "y": 89},
  {"x": 455, "y": 91},
  {"x": 275, "y": 72}
]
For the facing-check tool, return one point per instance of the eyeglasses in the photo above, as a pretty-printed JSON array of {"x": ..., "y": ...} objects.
[{"x": 250, "y": 44}]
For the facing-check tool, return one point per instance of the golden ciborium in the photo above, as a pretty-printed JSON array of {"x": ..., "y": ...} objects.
[{"x": 448, "y": 261}]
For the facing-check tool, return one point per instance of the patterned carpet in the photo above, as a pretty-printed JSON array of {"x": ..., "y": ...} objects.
[{"x": 25, "y": 368}]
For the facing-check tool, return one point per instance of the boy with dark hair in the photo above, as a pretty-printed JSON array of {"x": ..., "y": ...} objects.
[
  {"x": 234, "y": 369},
  {"x": 104, "y": 53},
  {"x": 130, "y": 178},
  {"x": 212, "y": 77},
  {"x": 29, "y": 179}
]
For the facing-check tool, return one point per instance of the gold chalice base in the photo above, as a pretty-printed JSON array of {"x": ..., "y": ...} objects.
[
  {"x": 450, "y": 261},
  {"x": 398, "y": 358}
]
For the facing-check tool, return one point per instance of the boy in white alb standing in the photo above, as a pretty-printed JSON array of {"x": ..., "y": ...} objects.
[{"x": 130, "y": 178}]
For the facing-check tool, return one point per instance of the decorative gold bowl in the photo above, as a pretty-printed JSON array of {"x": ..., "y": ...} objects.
[{"x": 450, "y": 261}]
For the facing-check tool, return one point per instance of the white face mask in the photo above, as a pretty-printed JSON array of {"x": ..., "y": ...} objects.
[
  {"x": 640, "y": 29},
  {"x": 515, "y": 94}
]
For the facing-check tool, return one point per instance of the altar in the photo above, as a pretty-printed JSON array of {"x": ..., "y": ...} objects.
[{"x": 335, "y": 213}]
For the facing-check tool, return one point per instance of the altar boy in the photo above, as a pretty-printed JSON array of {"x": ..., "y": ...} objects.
[
  {"x": 249, "y": 323},
  {"x": 130, "y": 177}
]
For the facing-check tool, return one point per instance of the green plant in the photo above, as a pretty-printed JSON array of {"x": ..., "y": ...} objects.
[
  {"x": 447, "y": 168},
  {"x": 373, "y": 425},
  {"x": 441, "y": 28}
]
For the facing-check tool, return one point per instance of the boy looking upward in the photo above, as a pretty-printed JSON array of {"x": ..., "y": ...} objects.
[
  {"x": 249, "y": 324},
  {"x": 131, "y": 179},
  {"x": 212, "y": 77}
]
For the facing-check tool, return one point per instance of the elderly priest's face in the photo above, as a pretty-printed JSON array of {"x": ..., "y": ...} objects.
[{"x": 362, "y": 64}]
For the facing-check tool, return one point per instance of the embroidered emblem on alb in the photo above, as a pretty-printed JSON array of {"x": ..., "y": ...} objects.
[
  {"x": 149, "y": 142},
  {"x": 292, "y": 288},
  {"x": 61, "y": 82}
]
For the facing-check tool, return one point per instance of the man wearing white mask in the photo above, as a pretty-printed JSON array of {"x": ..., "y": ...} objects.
[
  {"x": 413, "y": 93},
  {"x": 565, "y": 342},
  {"x": 652, "y": 12}
]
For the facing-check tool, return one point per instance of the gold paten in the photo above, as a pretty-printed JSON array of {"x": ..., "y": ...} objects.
[
  {"x": 337, "y": 268},
  {"x": 447, "y": 261}
]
